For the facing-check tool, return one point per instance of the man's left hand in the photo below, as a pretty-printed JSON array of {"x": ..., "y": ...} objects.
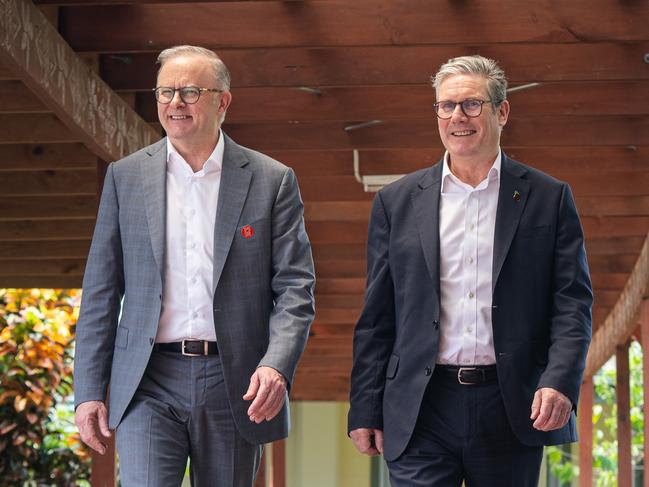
[
  {"x": 550, "y": 409},
  {"x": 268, "y": 389}
]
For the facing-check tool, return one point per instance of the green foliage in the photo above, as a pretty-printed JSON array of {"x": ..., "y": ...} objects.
[
  {"x": 38, "y": 444},
  {"x": 605, "y": 425}
]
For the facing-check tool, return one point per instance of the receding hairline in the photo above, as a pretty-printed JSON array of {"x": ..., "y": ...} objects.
[{"x": 219, "y": 69}]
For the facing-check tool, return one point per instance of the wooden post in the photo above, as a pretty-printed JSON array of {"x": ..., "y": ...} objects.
[
  {"x": 644, "y": 327},
  {"x": 278, "y": 471},
  {"x": 103, "y": 466},
  {"x": 624, "y": 461},
  {"x": 260, "y": 481},
  {"x": 585, "y": 421}
]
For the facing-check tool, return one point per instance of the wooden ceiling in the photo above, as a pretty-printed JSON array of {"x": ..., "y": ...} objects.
[{"x": 302, "y": 72}]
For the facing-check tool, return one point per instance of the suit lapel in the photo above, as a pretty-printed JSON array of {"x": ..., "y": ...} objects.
[
  {"x": 425, "y": 199},
  {"x": 512, "y": 197},
  {"x": 153, "y": 171},
  {"x": 235, "y": 182}
]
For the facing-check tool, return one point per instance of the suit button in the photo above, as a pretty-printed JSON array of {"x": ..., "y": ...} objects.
[
  {"x": 428, "y": 371},
  {"x": 436, "y": 324}
]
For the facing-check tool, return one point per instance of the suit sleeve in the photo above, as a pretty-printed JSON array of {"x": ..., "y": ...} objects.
[
  {"x": 374, "y": 334},
  {"x": 103, "y": 288},
  {"x": 571, "y": 318},
  {"x": 293, "y": 280}
]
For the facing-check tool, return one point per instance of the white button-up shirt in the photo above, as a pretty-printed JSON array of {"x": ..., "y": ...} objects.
[
  {"x": 189, "y": 251},
  {"x": 467, "y": 221}
]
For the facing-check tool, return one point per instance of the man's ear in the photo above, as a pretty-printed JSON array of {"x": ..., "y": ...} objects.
[
  {"x": 224, "y": 102},
  {"x": 503, "y": 113}
]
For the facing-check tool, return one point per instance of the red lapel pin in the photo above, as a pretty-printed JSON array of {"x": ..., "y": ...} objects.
[{"x": 248, "y": 231}]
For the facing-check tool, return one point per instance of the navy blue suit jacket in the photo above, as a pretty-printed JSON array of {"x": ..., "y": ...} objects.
[{"x": 542, "y": 300}]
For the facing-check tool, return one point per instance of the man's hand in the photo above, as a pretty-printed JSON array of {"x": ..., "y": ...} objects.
[
  {"x": 268, "y": 389},
  {"x": 550, "y": 409},
  {"x": 91, "y": 419},
  {"x": 368, "y": 441}
]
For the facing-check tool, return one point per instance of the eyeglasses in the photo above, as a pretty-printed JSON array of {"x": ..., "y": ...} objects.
[
  {"x": 470, "y": 107},
  {"x": 188, "y": 94}
]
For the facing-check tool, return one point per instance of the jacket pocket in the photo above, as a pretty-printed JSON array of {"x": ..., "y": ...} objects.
[{"x": 393, "y": 366}]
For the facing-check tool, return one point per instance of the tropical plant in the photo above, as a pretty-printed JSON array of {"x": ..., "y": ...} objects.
[{"x": 38, "y": 445}]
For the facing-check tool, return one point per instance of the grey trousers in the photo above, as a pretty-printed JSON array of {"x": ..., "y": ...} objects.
[{"x": 181, "y": 411}]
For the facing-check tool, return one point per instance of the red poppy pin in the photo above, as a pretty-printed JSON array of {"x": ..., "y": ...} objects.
[{"x": 248, "y": 231}]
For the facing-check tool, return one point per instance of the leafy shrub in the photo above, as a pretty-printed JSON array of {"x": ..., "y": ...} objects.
[{"x": 38, "y": 443}]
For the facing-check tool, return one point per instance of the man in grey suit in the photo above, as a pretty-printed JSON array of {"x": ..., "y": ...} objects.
[
  {"x": 197, "y": 296},
  {"x": 470, "y": 351}
]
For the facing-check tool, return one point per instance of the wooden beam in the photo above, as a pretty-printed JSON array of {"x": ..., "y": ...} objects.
[
  {"x": 45, "y": 156},
  {"x": 394, "y": 102},
  {"x": 22, "y": 250},
  {"x": 550, "y": 159},
  {"x": 624, "y": 460},
  {"x": 34, "y": 128},
  {"x": 25, "y": 282},
  {"x": 260, "y": 479},
  {"x": 354, "y": 65},
  {"x": 344, "y": 23},
  {"x": 50, "y": 182},
  {"x": 519, "y": 132},
  {"x": 47, "y": 207},
  {"x": 42, "y": 267},
  {"x": 15, "y": 97},
  {"x": 34, "y": 50},
  {"x": 46, "y": 230}
]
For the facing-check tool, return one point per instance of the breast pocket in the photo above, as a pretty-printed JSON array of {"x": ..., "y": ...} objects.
[
  {"x": 121, "y": 340},
  {"x": 393, "y": 366}
]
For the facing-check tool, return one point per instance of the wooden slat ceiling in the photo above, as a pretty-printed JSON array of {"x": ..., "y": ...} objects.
[{"x": 587, "y": 123}]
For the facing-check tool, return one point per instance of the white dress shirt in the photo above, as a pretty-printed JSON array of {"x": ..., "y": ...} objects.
[
  {"x": 189, "y": 251},
  {"x": 467, "y": 221}
]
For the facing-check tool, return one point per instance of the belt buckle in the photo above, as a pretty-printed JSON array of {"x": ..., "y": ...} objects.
[
  {"x": 187, "y": 354},
  {"x": 459, "y": 375}
]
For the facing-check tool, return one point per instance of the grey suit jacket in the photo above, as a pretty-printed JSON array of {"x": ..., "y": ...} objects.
[
  {"x": 263, "y": 284},
  {"x": 541, "y": 313}
]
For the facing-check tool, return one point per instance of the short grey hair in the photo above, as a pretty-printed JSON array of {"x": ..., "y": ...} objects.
[
  {"x": 220, "y": 69},
  {"x": 477, "y": 65}
]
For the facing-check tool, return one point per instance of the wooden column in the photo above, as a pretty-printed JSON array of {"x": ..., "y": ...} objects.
[
  {"x": 585, "y": 420},
  {"x": 103, "y": 466},
  {"x": 278, "y": 471},
  {"x": 644, "y": 327},
  {"x": 624, "y": 465},
  {"x": 260, "y": 481}
]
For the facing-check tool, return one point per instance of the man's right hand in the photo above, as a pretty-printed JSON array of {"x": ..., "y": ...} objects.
[
  {"x": 368, "y": 440},
  {"x": 91, "y": 418}
]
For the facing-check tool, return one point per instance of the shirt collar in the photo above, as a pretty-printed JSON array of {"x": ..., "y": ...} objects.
[
  {"x": 214, "y": 163},
  {"x": 492, "y": 176}
]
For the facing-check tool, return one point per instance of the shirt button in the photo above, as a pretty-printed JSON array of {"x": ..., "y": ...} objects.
[
  {"x": 469, "y": 330},
  {"x": 194, "y": 280},
  {"x": 194, "y": 315},
  {"x": 436, "y": 324},
  {"x": 470, "y": 260},
  {"x": 471, "y": 295},
  {"x": 428, "y": 371},
  {"x": 471, "y": 227}
]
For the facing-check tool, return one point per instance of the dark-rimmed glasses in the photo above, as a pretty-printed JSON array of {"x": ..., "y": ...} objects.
[
  {"x": 470, "y": 107},
  {"x": 188, "y": 94}
]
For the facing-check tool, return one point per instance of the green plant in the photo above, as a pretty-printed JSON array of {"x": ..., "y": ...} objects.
[{"x": 38, "y": 444}]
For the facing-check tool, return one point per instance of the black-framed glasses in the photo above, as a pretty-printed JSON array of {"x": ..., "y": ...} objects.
[
  {"x": 470, "y": 107},
  {"x": 188, "y": 94}
]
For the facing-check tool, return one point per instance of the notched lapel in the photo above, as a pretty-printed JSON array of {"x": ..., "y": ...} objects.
[
  {"x": 425, "y": 200},
  {"x": 153, "y": 171},
  {"x": 235, "y": 183},
  {"x": 512, "y": 198}
]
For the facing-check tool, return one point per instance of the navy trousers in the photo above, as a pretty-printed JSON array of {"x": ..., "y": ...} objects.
[
  {"x": 463, "y": 434},
  {"x": 181, "y": 411}
]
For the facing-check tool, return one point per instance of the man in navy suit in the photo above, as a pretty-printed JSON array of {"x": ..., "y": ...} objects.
[{"x": 470, "y": 351}]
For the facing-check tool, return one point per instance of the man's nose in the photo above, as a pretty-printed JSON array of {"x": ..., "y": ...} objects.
[
  {"x": 458, "y": 113},
  {"x": 177, "y": 100}
]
